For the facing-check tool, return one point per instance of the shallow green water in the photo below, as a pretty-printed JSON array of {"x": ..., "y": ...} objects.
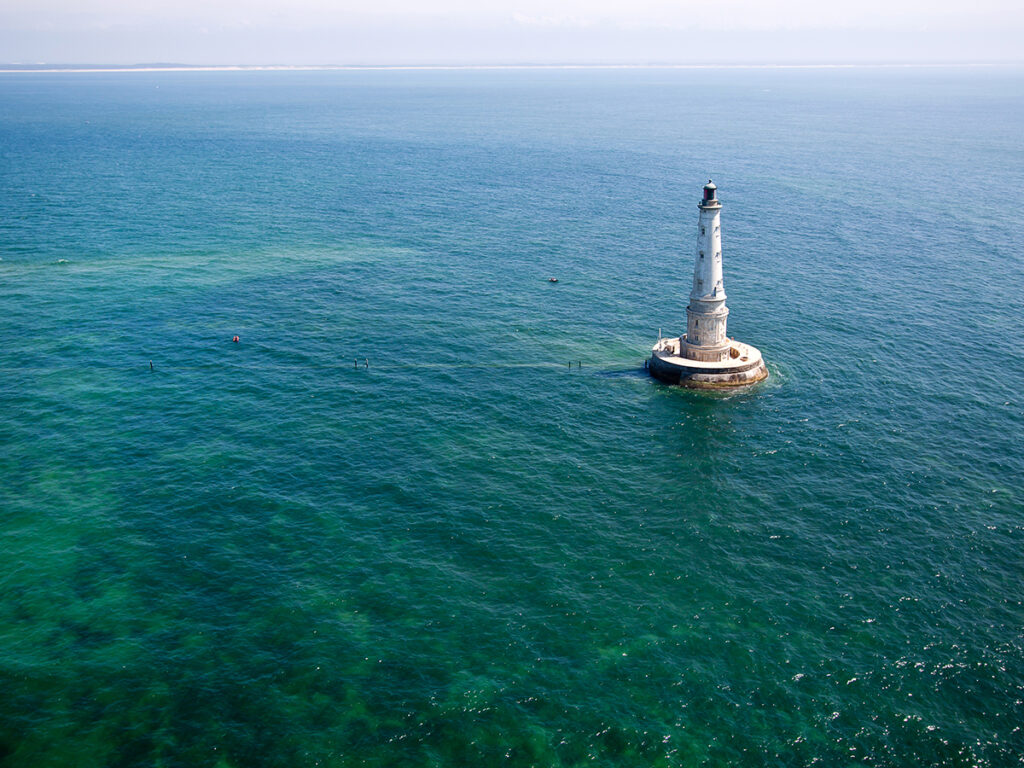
[{"x": 399, "y": 524}]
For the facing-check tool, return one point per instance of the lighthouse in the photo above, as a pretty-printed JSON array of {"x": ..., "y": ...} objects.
[{"x": 705, "y": 357}]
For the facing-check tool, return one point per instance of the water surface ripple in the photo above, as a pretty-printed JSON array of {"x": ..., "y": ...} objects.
[{"x": 400, "y": 524}]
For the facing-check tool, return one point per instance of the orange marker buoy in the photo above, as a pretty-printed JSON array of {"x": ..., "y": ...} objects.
[{"x": 235, "y": 339}]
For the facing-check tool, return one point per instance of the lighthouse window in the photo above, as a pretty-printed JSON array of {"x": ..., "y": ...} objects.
[
  {"x": 702, "y": 254},
  {"x": 702, "y": 230}
]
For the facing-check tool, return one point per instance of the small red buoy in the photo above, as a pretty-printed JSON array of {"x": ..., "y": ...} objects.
[{"x": 235, "y": 339}]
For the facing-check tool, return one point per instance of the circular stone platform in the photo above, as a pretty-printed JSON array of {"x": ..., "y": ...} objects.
[{"x": 744, "y": 366}]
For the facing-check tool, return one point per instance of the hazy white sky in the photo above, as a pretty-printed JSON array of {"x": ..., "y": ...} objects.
[{"x": 509, "y": 31}]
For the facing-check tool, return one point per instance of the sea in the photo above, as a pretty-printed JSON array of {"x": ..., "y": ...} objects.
[{"x": 430, "y": 509}]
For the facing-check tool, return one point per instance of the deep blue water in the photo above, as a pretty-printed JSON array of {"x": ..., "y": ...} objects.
[{"x": 501, "y": 542}]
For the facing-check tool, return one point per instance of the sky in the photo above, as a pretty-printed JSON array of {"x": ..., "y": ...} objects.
[{"x": 463, "y": 32}]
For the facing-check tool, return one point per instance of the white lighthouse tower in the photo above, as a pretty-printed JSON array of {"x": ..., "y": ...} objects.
[{"x": 705, "y": 357}]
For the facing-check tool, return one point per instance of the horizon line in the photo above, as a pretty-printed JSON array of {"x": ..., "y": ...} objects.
[{"x": 14, "y": 68}]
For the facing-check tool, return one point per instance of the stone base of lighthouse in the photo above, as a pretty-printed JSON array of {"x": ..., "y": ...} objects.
[{"x": 740, "y": 365}]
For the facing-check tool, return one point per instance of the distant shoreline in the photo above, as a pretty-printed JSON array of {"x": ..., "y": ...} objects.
[{"x": 67, "y": 68}]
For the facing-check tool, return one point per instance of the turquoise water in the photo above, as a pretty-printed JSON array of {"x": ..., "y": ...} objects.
[{"x": 430, "y": 510}]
